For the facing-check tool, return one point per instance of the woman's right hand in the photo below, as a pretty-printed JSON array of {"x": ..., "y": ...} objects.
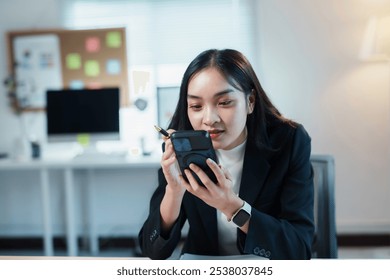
[
  {"x": 170, "y": 168},
  {"x": 174, "y": 191}
]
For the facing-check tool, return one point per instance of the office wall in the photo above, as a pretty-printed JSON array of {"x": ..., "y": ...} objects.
[
  {"x": 308, "y": 62},
  {"x": 15, "y": 16}
]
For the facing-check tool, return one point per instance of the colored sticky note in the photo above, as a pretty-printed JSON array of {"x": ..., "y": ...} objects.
[
  {"x": 94, "y": 85},
  {"x": 73, "y": 61},
  {"x": 83, "y": 139},
  {"x": 76, "y": 84},
  {"x": 114, "y": 39},
  {"x": 113, "y": 66},
  {"x": 92, "y": 68},
  {"x": 92, "y": 44}
]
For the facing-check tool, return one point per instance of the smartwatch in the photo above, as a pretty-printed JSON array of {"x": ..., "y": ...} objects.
[{"x": 242, "y": 215}]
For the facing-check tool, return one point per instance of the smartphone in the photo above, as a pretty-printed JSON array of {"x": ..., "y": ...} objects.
[{"x": 194, "y": 146}]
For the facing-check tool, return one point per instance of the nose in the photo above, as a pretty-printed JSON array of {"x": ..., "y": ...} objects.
[{"x": 210, "y": 116}]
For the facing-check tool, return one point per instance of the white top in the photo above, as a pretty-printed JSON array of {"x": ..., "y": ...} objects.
[{"x": 232, "y": 160}]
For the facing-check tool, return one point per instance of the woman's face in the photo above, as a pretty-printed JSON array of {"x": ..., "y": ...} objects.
[{"x": 219, "y": 108}]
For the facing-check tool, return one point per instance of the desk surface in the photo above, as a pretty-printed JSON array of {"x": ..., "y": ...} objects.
[
  {"x": 83, "y": 162},
  {"x": 183, "y": 257},
  {"x": 68, "y": 258}
]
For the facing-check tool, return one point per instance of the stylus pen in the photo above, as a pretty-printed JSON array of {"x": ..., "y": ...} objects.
[{"x": 162, "y": 131}]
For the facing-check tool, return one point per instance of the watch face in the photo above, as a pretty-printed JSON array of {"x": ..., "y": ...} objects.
[{"x": 241, "y": 218}]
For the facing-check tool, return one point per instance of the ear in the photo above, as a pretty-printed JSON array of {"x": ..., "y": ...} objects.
[{"x": 251, "y": 101}]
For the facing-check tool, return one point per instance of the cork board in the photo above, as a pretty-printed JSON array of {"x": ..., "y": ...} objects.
[{"x": 93, "y": 58}]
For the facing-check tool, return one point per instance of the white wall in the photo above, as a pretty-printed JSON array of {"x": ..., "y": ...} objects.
[
  {"x": 308, "y": 52},
  {"x": 309, "y": 65},
  {"x": 14, "y": 15}
]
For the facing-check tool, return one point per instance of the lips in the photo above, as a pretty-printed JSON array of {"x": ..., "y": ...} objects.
[{"x": 215, "y": 133}]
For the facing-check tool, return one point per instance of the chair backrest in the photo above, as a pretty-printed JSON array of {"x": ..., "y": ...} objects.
[{"x": 325, "y": 241}]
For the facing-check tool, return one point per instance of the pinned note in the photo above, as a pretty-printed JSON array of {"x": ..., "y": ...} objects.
[
  {"x": 141, "y": 81},
  {"x": 46, "y": 60},
  {"x": 83, "y": 139},
  {"x": 114, "y": 39},
  {"x": 73, "y": 61},
  {"x": 92, "y": 44},
  {"x": 94, "y": 85},
  {"x": 92, "y": 68},
  {"x": 113, "y": 66},
  {"x": 76, "y": 84}
]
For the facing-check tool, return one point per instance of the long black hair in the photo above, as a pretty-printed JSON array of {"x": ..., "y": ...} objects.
[{"x": 238, "y": 71}]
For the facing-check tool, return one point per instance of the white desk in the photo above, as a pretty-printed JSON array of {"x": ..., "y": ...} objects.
[{"x": 68, "y": 167}]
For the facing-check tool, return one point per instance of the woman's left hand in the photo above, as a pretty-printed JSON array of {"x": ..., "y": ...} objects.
[{"x": 220, "y": 195}]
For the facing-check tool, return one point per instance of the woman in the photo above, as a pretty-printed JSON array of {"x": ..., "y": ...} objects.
[{"x": 262, "y": 203}]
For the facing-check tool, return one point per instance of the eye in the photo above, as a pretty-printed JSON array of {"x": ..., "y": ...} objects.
[
  {"x": 195, "y": 107},
  {"x": 225, "y": 102}
]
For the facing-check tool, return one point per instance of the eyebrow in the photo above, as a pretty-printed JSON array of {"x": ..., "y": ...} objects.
[{"x": 218, "y": 94}]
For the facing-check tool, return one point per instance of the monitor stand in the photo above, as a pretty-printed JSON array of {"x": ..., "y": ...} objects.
[{"x": 92, "y": 151}]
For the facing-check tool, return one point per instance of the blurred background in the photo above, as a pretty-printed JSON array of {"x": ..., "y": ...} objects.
[{"x": 324, "y": 64}]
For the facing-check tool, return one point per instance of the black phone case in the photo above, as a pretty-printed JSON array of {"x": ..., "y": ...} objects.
[{"x": 194, "y": 146}]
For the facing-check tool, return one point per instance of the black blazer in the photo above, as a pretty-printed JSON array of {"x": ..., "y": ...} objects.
[{"x": 277, "y": 184}]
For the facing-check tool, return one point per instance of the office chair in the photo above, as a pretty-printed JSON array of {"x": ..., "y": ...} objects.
[{"x": 325, "y": 239}]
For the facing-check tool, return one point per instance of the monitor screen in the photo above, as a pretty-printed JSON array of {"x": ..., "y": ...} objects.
[{"x": 92, "y": 112}]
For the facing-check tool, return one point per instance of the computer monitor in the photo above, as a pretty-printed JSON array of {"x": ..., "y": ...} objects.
[{"x": 89, "y": 114}]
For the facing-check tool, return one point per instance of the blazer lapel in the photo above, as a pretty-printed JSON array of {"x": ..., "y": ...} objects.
[{"x": 254, "y": 172}]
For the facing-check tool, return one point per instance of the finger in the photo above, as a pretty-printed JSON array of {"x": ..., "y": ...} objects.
[
  {"x": 170, "y": 131},
  {"x": 168, "y": 141},
  {"x": 217, "y": 169},
  {"x": 169, "y": 152},
  {"x": 226, "y": 173},
  {"x": 187, "y": 184},
  {"x": 184, "y": 183},
  {"x": 169, "y": 161},
  {"x": 194, "y": 187},
  {"x": 169, "y": 170},
  {"x": 193, "y": 184},
  {"x": 202, "y": 176},
  {"x": 168, "y": 157}
]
